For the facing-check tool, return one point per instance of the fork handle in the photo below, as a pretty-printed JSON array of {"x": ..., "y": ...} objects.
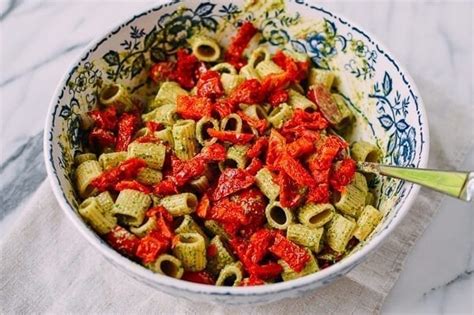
[{"x": 456, "y": 184}]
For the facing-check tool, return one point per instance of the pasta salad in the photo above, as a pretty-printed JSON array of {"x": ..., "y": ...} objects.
[{"x": 234, "y": 174}]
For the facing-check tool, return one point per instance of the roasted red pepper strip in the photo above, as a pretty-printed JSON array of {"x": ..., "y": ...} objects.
[
  {"x": 248, "y": 92},
  {"x": 305, "y": 120},
  {"x": 282, "y": 60},
  {"x": 213, "y": 153},
  {"x": 127, "y": 169},
  {"x": 289, "y": 192},
  {"x": 259, "y": 243},
  {"x": 122, "y": 241},
  {"x": 300, "y": 146},
  {"x": 132, "y": 184},
  {"x": 153, "y": 126},
  {"x": 198, "y": 277},
  {"x": 257, "y": 148},
  {"x": 253, "y": 204},
  {"x": 239, "y": 43},
  {"x": 203, "y": 207},
  {"x": 251, "y": 281},
  {"x": 127, "y": 126},
  {"x": 259, "y": 124},
  {"x": 276, "y": 147},
  {"x": 151, "y": 246},
  {"x": 193, "y": 107},
  {"x": 185, "y": 171},
  {"x": 342, "y": 173},
  {"x": 231, "y": 181},
  {"x": 209, "y": 85},
  {"x": 187, "y": 69},
  {"x": 165, "y": 187},
  {"x": 278, "y": 97},
  {"x": 227, "y": 211},
  {"x": 105, "y": 119},
  {"x": 230, "y": 136},
  {"x": 224, "y": 107},
  {"x": 254, "y": 166},
  {"x": 295, "y": 170},
  {"x": 295, "y": 256},
  {"x": 101, "y": 139}
]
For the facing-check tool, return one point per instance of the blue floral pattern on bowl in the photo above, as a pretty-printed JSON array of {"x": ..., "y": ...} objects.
[{"x": 387, "y": 109}]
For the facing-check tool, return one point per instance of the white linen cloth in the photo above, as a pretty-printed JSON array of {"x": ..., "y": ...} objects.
[{"x": 47, "y": 266}]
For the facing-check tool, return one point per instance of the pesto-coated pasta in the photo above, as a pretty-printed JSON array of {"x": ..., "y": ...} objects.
[
  {"x": 105, "y": 201},
  {"x": 315, "y": 215},
  {"x": 200, "y": 184},
  {"x": 214, "y": 228},
  {"x": 249, "y": 72},
  {"x": 86, "y": 172},
  {"x": 299, "y": 101},
  {"x": 145, "y": 228},
  {"x": 267, "y": 67},
  {"x": 91, "y": 212},
  {"x": 351, "y": 200},
  {"x": 112, "y": 159},
  {"x": 345, "y": 116},
  {"x": 236, "y": 157},
  {"x": 168, "y": 94},
  {"x": 165, "y": 115},
  {"x": 232, "y": 122},
  {"x": 289, "y": 274},
  {"x": 280, "y": 115},
  {"x": 219, "y": 256},
  {"x": 190, "y": 248},
  {"x": 319, "y": 76},
  {"x": 201, "y": 130},
  {"x": 231, "y": 81},
  {"x": 130, "y": 207},
  {"x": 205, "y": 48},
  {"x": 255, "y": 111},
  {"x": 188, "y": 225},
  {"x": 168, "y": 265},
  {"x": 339, "y": 232},
  {"x": 80, "y": 158},
  {"x": 116, "y": 95},
  {"x": 278, "y": 217},
  {"x": 266, "y": 184},
  {"x": 179, "y": 204},
  {"x": 367, "y": 222},
  {"x": 152, "y": 153},
  {"x": 184, "y": 139},
  {"x": 305, "y": 236},
  {"x": 224, "y": 67},
  {"x": 149, "y": 176},
  {"x": 230, "y": 275},
  {"x": 363, "y": 151},
  {"x": 165, "y": 135},
  {"x": 370, "y": 199},
  {"x": 259, "y": 55}
]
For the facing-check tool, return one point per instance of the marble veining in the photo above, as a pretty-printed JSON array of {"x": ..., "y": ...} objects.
[{"x": 430, "y": 282}]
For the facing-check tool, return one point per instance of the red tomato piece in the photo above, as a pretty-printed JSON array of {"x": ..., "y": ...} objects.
[
  {"x": 254, "y": 166},
  {"x": 153, "y": 126},
  {"x": 162, "y": 71},
  {"x": 101, "y": 139},
  {"x": 187, "y": 68},
  {"x": 226, "y": 211},
  {"x": 127, "y": 169},
  {"x": 266, "y": 271},
  {"x": 159, "y": 212},
  {"x": 193, "y": 107},
  {"x": 211, "y": 250},
  {"x": 289, "y": 195},
  {"x": 248, "y": 92},
  {"x": 213, "y": 153},
  {"x": 224, "y": 107},
  {"x": 230, "y": 136},
  {"x": 253, "y": 204},
  {"x": 278, "y": 97},
  {"x": 304, "y": 120},
  {"x": 231, "y": 181},
  {"x": 259, "y": 124},
  {"x": 295, "y": 256},
  {"x": 203, "y": 207},
  {"x": 276, "y": 147},
  {"x": 259, "y": 243},
  {"x": 127, "y": 126},
  {"x": 257, "y": 148},
  {"x": 122, "y": 241},
  {"x": 165, "y": 187},
  {"x": 283, "y": 60},
  {"x": 198, "y": 277},
  {"x": 209, "y": 85},
  {"x": 238, "y": 44},
  {"x": 295, "y": 170},
  {"x": 105, "y": 119},
  {"x": 132, "y": 184},
  {"x": 151, "y": 246},
  {"x": 342, "y": 173},
  {"x": 300, "y": 146}
]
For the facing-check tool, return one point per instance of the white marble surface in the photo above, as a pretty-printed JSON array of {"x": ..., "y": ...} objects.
[{"x": 433, "y": 39}]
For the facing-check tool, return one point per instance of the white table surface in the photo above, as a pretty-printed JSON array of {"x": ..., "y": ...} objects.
[{"x": 432, "y": 39}]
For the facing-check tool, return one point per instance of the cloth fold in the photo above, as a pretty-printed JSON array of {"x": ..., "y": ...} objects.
[{"x": 47, "y": 266}]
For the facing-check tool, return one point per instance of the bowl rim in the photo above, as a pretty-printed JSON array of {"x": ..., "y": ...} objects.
[{"x": 136, "y": 269}]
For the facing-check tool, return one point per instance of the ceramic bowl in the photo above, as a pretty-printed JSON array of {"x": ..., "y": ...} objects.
[{"x": 383, "y": 97}]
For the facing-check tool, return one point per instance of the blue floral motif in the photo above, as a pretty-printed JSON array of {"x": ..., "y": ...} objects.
[{"x": 274, "y": 25}]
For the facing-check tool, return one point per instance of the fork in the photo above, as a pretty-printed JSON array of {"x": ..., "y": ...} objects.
[{"x": 453, "y": 183}]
